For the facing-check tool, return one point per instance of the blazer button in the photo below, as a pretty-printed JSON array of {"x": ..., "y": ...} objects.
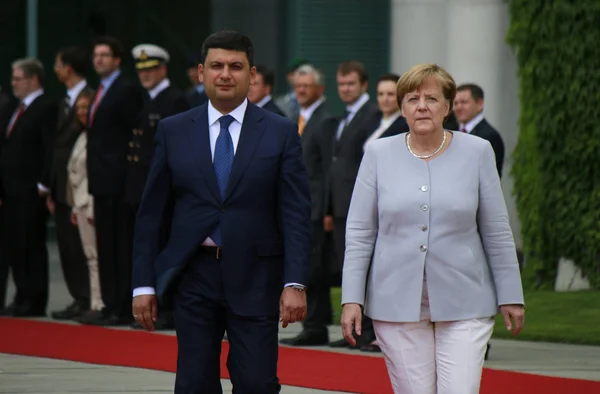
[
  {"x": 136, "y": 158},
  {"x": 129, "y": 158},
  {"x": 424, "y": 207},
  {"x": 423, "y": 248},
  {"x": 131, "y": 144},
  {"x": 424, "y": 188},
  {"x": 424, "y": 228}
]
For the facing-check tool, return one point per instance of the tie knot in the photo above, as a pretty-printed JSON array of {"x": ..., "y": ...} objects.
[{"x": 226, "y": 121}]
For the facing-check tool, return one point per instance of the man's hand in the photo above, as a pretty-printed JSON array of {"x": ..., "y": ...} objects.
[
  {"x": 50, "y": 204},
  {"x": 73, "y": 219},
  {"x": 351, "y": 322},
  {"x": 145, "y": 310},
  {"x": 517, "y": 314},
  {"x": 328, "y": 223},
  {"x": 292, "y": 306}
]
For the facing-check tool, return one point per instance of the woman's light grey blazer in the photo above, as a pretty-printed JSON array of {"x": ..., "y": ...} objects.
[{"x": 446, "y": 218}]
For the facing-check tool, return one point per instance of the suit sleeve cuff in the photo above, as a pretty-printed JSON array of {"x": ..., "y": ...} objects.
[
  {"x": 138, "y": 291},
  {"x": 293, "y": 284}
]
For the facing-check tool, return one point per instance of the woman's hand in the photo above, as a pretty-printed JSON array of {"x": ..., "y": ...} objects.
[
  {"x": 517, "y": 314},
  {"x": 351, "y": 321}
]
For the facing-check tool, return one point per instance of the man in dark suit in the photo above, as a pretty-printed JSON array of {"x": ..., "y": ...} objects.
[
  {"x": 347, "y": 141},
  {"x": 25, "y": 161},
  {"x": 195, "y": 94},
  {"x": 237, "y": 255},
  {"x": 7, "y": 107},
  {"x": 70, "y": 67},
  {"x": 163, "y": 100},
  {"x": 113, "y": 115},
  {"x": 314, "y": 123},
  {"x": 468, "y": 108},
  {"x": 261, "y": 89}
]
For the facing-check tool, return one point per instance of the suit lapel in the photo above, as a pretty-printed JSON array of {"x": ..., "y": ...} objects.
[
  {"x": 200, "y": 140},
  {"x": 252, "y": 131}
]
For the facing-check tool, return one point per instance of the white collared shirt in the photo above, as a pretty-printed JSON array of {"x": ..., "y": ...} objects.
[
  {"x": 352, "y": 110},
  {"x": 162, "y": 85},
  {"x": 471, "y": 124},
  {"x": 265, "y": 100},
  {"x": 384, "y": 124},
  {"x": 306, "y": 113},
  {"x": 73, "y": 93}
]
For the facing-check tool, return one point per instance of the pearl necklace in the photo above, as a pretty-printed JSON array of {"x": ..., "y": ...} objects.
[{"x": 425, "y": 156}]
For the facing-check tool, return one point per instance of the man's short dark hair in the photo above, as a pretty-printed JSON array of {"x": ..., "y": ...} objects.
[
  {"x": 476, "y": 91},
  {"x": 268, "y": 75},
  {"x": 115, "y": 45},
  {"x": 389, "y": 77},
  {"x": 228, "y": 40},
  {"x": 75, "y": 58},
  {"x": 348, "y": 67}
]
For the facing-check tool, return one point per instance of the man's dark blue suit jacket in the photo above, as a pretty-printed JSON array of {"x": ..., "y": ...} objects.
[{"x": 264, "y": 218}]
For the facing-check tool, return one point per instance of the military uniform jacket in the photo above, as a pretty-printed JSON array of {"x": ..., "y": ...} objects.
[{"x": 168, "y": 102}]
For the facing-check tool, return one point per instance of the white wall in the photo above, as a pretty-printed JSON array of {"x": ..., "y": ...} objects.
[{"x": 467, "y": 38}]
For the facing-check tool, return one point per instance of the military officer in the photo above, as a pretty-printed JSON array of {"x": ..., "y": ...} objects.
[{"x": 163, "y": 100}]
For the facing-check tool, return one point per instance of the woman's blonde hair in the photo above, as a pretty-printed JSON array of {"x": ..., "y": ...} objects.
[{"x": 419, "y": 75}]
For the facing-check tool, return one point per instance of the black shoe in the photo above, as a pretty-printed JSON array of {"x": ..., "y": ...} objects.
[
  {"x": 340, "y": 344},
  {"x": 25, "y": 309},
  {"x": 307, "y": 338},
  {"x": 106, "y": 320},
  {"x": 71, "y": 312},
  {"x": 487, "y": 351},
  {"x": 162, "y": 323},
  {"x": 370, "y": 348}
]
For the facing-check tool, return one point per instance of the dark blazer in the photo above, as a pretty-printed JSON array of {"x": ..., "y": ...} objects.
[
  {"x": 194, "y": 98},
  {"x": 26, "y": 155},
  {"x": 67, "y": 132},
  {"x": 109, "y": 136},
  {"x": 345, "y": 161},
  {"x": 264, "y": 218},
  {"x": 487, "y": 132},
  {"x": 271, "y": 106},
  {"x": 7, "y": 108},
  {"x": 169, "y": 102},
  {"x": 321, "y": 122},
  {"x": 398, "y": 127}
]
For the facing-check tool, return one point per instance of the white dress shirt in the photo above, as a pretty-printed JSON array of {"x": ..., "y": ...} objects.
[
  {"x": 73, "y": 93},
  {"x": 352, "y": 110},
  {"x": 265, "y": 100},
  {"x": 471, "y": 124},
  {"x": 306, "y": 113},
  {"x": 384, "y": 124},
  {"x": 214, "y": 128},
  {"x": 162, "y": 85}
]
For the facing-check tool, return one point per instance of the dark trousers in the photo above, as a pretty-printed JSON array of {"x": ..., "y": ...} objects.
[
  {"x": 318, "y": 297},
  {"x": 25, "y": 248},
  {"x": 114, "y": 261},
  {"x": 4, "y": 266},
  {"x": 339, "y": 239},
  {"x": 201, "y": 318},
  {"x": 72, "y": 258}
]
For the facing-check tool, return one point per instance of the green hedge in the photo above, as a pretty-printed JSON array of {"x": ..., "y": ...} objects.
[{"x": 556, "y": 164}]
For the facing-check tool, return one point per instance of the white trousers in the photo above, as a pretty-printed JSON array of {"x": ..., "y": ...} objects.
[
  {"x": 434, "y": 358},
  {"x": 87, "y": 233}
]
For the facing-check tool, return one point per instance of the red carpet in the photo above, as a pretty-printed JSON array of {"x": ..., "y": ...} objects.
[{"x": 297, "y": 367}]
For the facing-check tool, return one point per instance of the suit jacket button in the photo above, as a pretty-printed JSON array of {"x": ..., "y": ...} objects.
[
  {"x": 423, "y": 248},
  {"x": 129, "y": 158},
  {"x": 131, "y": 144},
  {"x": 136, "y": 158}
]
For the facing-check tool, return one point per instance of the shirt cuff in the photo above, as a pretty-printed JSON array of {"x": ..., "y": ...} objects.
[
  {"x": 42, "y": 188},
  {"x": 293, "y": 284},
  {"x": 138, "y": 291}
]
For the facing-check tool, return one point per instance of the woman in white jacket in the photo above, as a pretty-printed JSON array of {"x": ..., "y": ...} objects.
[{"x": 82, "y": 202}]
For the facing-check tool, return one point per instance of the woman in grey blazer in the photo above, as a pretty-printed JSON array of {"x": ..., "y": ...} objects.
[{"x": 430, "y": 255}]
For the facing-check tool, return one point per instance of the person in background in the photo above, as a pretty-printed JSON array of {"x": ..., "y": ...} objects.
[
  {"x": 195, "y": 93},
  {"x": 25, "y": 167},
  {"x": 82, "y": 203},
  {"x": 288, "y": 102},
  {"x": 468, "y": 107},
  {"x": 164, "y": 100},
  {"x": 261, "y": 89},
  {"x": 430, "y": 254},
  {"x": 70, "y": 66}
]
